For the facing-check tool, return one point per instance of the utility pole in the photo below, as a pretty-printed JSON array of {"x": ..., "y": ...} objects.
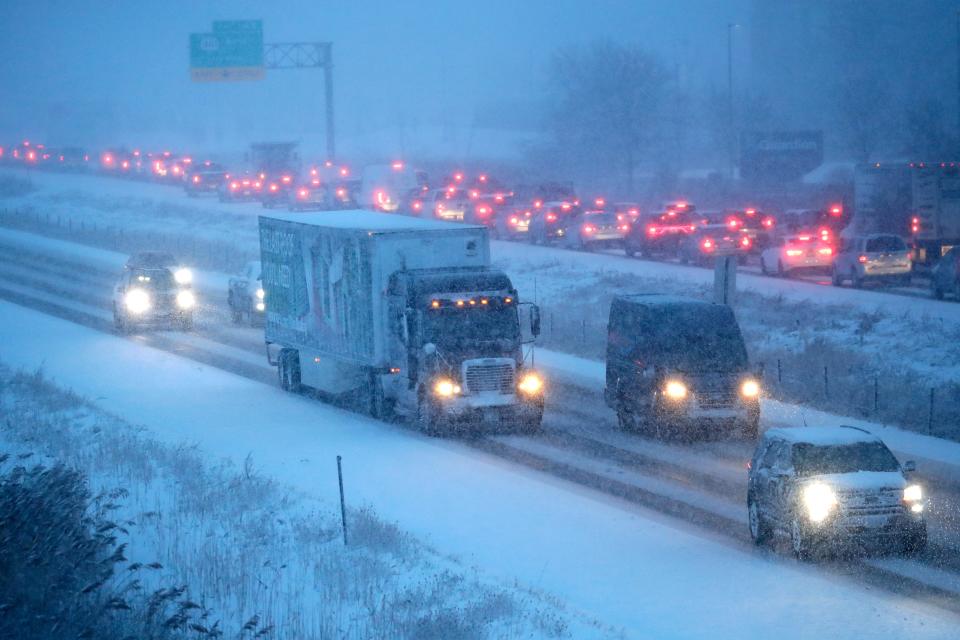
[{"x": 730, "y": 122}]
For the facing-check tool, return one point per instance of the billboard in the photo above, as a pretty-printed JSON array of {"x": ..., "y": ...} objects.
[{"x": 779, "y": 156}]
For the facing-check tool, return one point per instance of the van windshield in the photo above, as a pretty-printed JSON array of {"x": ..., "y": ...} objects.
[{"x": 690, "y": 339}]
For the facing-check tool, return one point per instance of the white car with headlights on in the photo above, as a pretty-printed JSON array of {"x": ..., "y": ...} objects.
[
  {"x": 150, "y": 296},
  {"x": 829, "y": 487},
  {"x": 246, "y": 297}
]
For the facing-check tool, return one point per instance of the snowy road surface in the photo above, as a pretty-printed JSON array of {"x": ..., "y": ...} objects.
[{"x": 615, "y": 561}]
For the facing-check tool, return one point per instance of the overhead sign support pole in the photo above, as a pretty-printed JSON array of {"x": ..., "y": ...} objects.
[{"x": 308, "y": 55}]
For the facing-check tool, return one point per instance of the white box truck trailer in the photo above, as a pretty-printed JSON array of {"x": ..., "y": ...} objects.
[{"x": 404, "y": 315}]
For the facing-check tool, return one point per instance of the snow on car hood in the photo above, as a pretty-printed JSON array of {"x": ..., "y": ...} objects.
[{"x": 862, "y": 480}]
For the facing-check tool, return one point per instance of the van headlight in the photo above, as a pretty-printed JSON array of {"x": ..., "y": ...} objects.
[
  {"x": 260, "y": 293},
  {"x": 183, "y": 276},
  {"x": 750, "y": 388},
  {"x": 446, "y": 388},
  {"x": 819, "y": 500},
  {"x": 675, "y": 390},
  {"x": 531, "y": 384},
  {"x": 136, "y": 301},
  {"x": 186, "y": 300}
]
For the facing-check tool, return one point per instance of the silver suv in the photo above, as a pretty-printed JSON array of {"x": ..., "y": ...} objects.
[
  {"x": 878, "y": 257},
  {"x": 824, "y": 487}
]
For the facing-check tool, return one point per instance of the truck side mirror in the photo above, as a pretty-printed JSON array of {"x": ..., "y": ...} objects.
[
  {"x": 529, "y": 318},
  {"x": 535, "y": 320},
  {"x": 429, "y": 349},
  {"x": 909, "y": 466}
]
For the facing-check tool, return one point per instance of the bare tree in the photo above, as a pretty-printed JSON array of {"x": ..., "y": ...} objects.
[{"x": 605, "y": 106}]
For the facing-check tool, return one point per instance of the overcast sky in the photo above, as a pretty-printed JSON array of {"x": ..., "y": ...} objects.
[{"x": 92, "y": 70}]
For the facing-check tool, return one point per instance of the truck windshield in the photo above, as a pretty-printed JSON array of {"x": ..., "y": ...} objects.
[
  {"x": 456, "y": 326},
  {"x": 810, "y": 460}
]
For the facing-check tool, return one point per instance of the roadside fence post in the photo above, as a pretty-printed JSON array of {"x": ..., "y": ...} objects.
[
  {"x": 826, "y": 383},
  {"x": 343, "y": 507},
  {"x": 876, "y": 394},
  {"x": 930, "y": 416},
  {"x": 779, "y": 374},
  {"x": 583, "y": 331}
]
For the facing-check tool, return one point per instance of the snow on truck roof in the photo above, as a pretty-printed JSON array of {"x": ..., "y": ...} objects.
[
  {"x": 363, "y": 219},
  {"x": 822, "y": 436}
]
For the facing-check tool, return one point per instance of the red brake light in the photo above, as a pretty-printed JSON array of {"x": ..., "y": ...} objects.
[
  {"x": 342, "y": 193},
  {"x": 234, "y": 186},
  {"x": 745, "y": 241},
  {"x": 624, "y": 227},
  {"x": 733, "y": 223},
  {"x": 396, "y": 166},
  {"x": 483, "y": 211},
  {"x": 537, "y": 204},
  {"x": 514, "y": 220},
  {"x": 750, "y": 212},
  {"x": 793, "y": 253},
  {"x": 589, "y": 229},
  {"x": 862, "y": 258},
  {"x": 708, "y": 244},
  {"x": 565, "y": 206},
  {"x": 825, "y": 251},
  {"x": 482, "y": 178},
  {"x": 196, "y": 179},
  {"x": 651, "y": 230},
  {"x": 915, "y": 225},
  {"x": 600, "y": 202},
  {"x": 303, "y": 193},
  {"x": 836, "y": 210},
  {"x": 551, "y": 217},
  {"x": 458, "y": 177},
  {"x": 274, "y": 187},
  {"x": 767, "y": 222},
  {"x": 286, "y": 179},
  {"x": 344, "y": 171},
  {"x": 474, "y": 194}
]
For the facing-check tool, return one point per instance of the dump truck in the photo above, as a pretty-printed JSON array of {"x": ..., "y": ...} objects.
[{"x": 400, "y": 317}]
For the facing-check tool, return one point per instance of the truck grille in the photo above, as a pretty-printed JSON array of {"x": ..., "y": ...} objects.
[
  {"x": 496, "y": 376},
  {"x": 716, "y": 399},
  {"x": 876, "y": 502}
]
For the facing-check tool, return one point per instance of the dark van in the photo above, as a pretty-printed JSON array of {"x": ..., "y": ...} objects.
[{"x": 678, "y": 366}]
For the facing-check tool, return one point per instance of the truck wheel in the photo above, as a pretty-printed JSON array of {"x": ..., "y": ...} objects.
[
  {"x": 835, "y": 278},
  {"x": 428, "y": 418},
  {"x": 780, "y": 272},
  {"x": 759, "y": 529},
  {"x": 915, "y": 543},
  {"x": 626, "y": 420},
  {"x": 855, "y": 280},
  {"x": 186, "y": 322},
  {"x": 763, "y": 267},
  {"x": 379, "y": 406},
  {"x": 629, "y": 250},
  {"x": 936, "y": 291},
  {"x": 751, "y": 428},
  {"x": 799, "y": 542},
  {"x": 118, "y": 321},
  {"x": 288, "y": 370}
]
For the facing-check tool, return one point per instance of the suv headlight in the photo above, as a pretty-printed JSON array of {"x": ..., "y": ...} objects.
[
  {"x": 186, "y": 300},
  {"x": 446, "y": 388},
  {"x": 261, "y": 293},
  {"x": 136, "y": 301},
  {"x": 531, "y": 384},
  {"x": 750, "y": 388},
  {"x": 913, "y": 495},
  {"x": 819, "y": 500},
  {"x": 183, "y": 276},
  {"x": 675, "y": 390}
]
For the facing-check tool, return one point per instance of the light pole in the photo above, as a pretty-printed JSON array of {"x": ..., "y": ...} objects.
[{"x": 730, "y": 123}]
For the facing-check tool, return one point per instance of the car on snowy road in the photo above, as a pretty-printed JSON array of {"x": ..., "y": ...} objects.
[
  {"x": 830, "y": 487},
  {"x": 152, "y": 291},
  {"x": 678, "y": 367},
  {"x": 795, "y": 253},
  {"x": 945, "y": 275},
  {"x": 878, "y": 257},
  {"x": 245, "y": 295}
]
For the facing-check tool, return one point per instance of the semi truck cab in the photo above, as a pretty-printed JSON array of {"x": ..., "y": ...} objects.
[{"x": 457, "y": 334}]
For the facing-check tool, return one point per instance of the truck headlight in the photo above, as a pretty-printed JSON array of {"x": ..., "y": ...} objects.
[
  {"x": 531, "y": 384},
  {"x": 137, "y": 301},
  {"x": 183, "y": 276},
  {"x": 750, "y": 389},
  {"x": 186, "y": 300},
  {"x": 675, "y": 390},
  {"x": 261, "y": 293},
  {"x": 446, "y": 388},
  {"x": 819, "y": 500},
  {"x": 261, "y": 306}
]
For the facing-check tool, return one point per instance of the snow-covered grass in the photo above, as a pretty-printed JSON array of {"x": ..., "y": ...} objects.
[
  {"x": 883, "y": 354},
  {"x": 247, "y": 548}
]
